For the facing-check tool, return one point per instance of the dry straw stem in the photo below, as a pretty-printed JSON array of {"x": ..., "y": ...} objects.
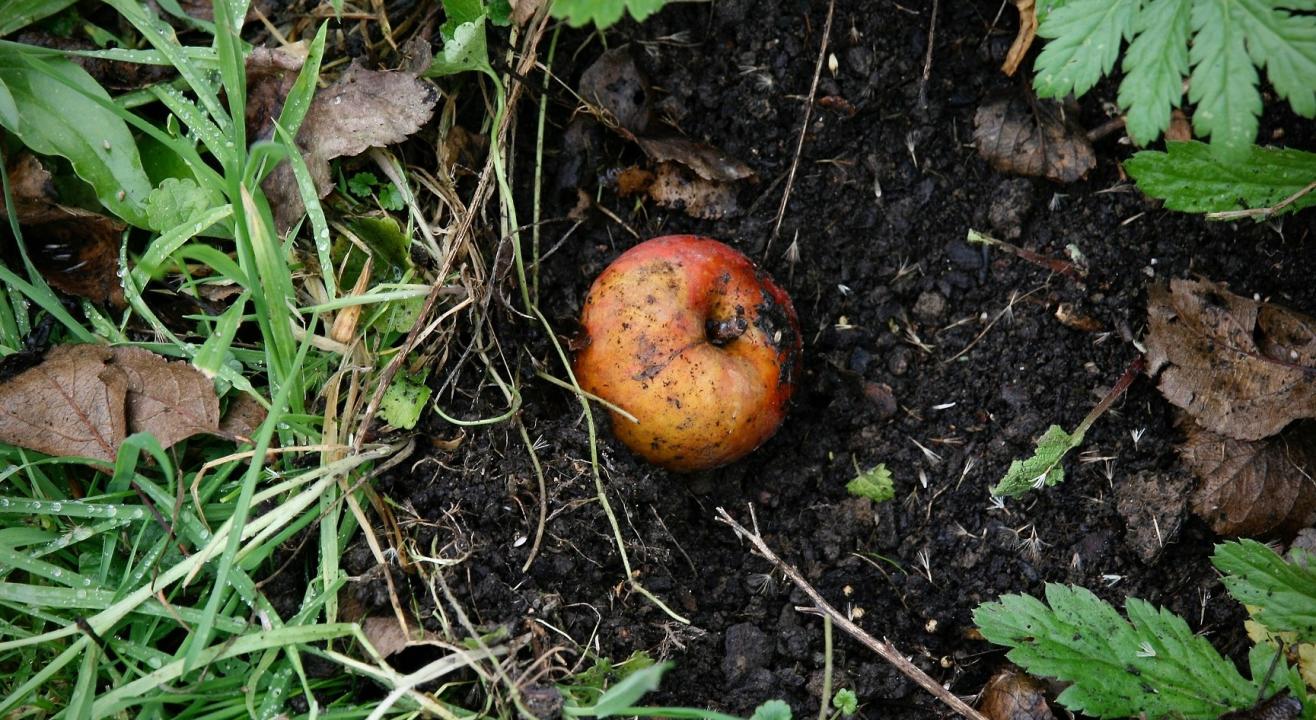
[
  {"x": 821, "y": 606},
  {"x": 804, "y": 127},
  {"x": 460, "y": 235}
]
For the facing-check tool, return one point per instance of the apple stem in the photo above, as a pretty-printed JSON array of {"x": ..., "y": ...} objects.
[{"x": 721, "y": 332}]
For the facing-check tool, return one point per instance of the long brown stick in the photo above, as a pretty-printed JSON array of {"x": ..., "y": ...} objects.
[{"x": 882, "y": 647}]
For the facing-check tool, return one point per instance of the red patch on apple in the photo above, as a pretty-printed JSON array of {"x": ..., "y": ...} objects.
[{"x": 697, "y": 343}]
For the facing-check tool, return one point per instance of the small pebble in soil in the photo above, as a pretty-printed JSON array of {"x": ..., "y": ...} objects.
[
  {"x": 1011, "y": 203},
  {"x": 930, "y": 307},
  {"x": 879, "y": 395}
]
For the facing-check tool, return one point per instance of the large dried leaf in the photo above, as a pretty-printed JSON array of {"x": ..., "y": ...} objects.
[
  {"x": 170, "y": 400},
  {"x": 1253, "y": 488},
  {"x": 362, "y": 109},
  {"x": 76, "y": 250},
  {"x": 73, "y": 403},
  {"x": 83, "y": 400},
  {"x": 1027, "y": 136},
  {"x": 1240, "y": 367}
]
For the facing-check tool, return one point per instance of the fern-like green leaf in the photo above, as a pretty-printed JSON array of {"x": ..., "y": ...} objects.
[
  {"x": 1085, "y": 37},
  {"x": 1191, "y": 178},
  {"x": 1154, "y": 67},
  {"x": 1283, "y": 593},
  {"x": 1224, "y": 81},
  {"x": 1285, "y": 45},
  {"x": 1151, "y": 663}
]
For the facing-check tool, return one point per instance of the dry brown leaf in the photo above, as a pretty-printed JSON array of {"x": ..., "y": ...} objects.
[
  {"x": 73, "y": 403},
  {"x": 615, "y": 85},
  {"x": 675, "y": 187},
  {"x": 1012, "y": 695},
  {"x": 1240, "y": 367},
  {"x": 1026, "y": 136},
  {"x": 242, "y": 418},
  {"x": 388, "y": 637},
  {"x": 271, "y": 73},
  {"x": 633, "y": 181},
  {"x": 523, "y": 10},
  {"x": 1253, "y": 488},
  {"x": 362, "y": 109},
  {"x": 1181, "y": 128},
  {"x": 76, "y": 250},
  {"x": 1023, "y": 40},
  {"x": 170, "y": 400},
  {"x": 83, "y": 400},
  {"x": 707, "y": 161}
]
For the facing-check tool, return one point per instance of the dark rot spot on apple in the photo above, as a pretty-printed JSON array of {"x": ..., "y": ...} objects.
[{"x": 777, "y": 323}]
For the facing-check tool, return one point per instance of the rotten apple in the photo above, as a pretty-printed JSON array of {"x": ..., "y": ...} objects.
[{"x": 697, "y": 344}]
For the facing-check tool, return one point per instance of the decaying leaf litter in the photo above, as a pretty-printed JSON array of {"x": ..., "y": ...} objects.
[{"x": 889, "y": 330}]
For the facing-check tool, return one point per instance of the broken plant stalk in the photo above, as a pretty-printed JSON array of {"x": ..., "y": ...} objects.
[{"x": 883, "y": 648}]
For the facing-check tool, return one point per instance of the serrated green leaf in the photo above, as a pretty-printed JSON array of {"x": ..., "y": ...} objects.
[
  {"x": 846, "y": 701},
  {"x": 772, "y": 710},
  {"x": 603, "y": 13},
  {"x": 1154, "y": 67},
  {"x": 361, "y": 183},
  {"x": 390, "y": 198},
  {"x": 1285, "y": 45},
  {"x": 1282, "y": 593},
  {"x": 403, "y": 401},
  {"x": 57, "y": 115},
  {"x": 1085, "y": 37},
  {"x": 1189, "y": 177},
  {"x": 874, "y": 484},
  {"x": 1224, "y": 81},
  {"x": 176, "y": 201},
  {"x": 466, "y": 50},
  {"x": 1151, "y": 663},
  {"x": 1043, "y": 468}
]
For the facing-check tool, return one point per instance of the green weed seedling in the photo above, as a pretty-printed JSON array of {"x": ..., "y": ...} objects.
[
  {"x": 607, "y": 690},
  {"x": 1045, "y": 467},
  {"x": 1150, "y": 664}
]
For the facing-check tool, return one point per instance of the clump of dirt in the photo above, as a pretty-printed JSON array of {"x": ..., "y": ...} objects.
[{"x": 872, "y": 249}]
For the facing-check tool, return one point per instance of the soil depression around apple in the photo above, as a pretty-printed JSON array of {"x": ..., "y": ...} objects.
[{"x": 699, "y": 345}]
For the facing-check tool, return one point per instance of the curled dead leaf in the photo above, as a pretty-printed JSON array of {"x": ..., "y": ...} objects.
[
  {"x": 1023, "y": 40},
  {"x": 1026, "y": 136},
  {"x": 1253, "y": 487},
  {"x": 1013, "y": 695},
  {"x": 271, "y": 73},
  {"x": 675, "y": 187},
  {"x": 705, "y": 160},
  {"x": 1240, "y": 367}
]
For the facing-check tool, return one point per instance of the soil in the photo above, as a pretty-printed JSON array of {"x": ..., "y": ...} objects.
[{"x": 943, "y": 360}]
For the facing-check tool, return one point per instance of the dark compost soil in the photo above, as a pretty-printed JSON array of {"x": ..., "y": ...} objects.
[{"x": 876, "y": 269}]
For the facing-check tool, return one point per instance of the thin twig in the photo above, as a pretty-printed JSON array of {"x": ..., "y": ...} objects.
[
  {"x": 804, "y": 127},
  {"x": 882, "y": 647},
  {"x": 927, "y": 58},
  {"x": 1262, "y": 213}
]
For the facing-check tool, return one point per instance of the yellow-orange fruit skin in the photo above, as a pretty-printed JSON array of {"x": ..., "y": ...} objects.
[{"x": 698, "y": 344}]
